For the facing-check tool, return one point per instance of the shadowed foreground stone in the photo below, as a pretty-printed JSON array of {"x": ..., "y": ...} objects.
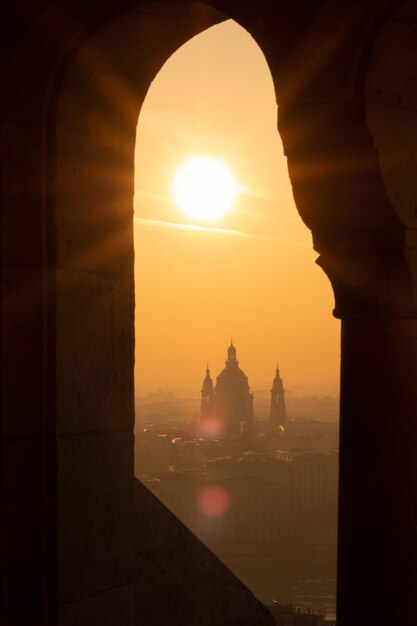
[
  {"x": 77, "y": 73},
  {"x": 180, "y": 582}
]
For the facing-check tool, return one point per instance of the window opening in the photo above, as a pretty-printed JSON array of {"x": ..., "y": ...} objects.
[{"x": 245, "y": 454}]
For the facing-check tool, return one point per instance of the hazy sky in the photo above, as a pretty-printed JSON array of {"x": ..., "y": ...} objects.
[{"x": 195, "y": 288}]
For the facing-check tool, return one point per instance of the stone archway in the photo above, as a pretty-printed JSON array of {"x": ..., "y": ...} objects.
[
  {"x": 68, "y": 289},
  {"x": 112, "y": 70},
  {"x": 350, "y": 150}
]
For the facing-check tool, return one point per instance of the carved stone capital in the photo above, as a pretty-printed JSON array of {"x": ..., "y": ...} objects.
[
  {"x": 367, "y": 248},
  {"x": 372, "y": 284}
]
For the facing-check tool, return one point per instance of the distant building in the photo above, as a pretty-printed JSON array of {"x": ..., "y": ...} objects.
[
  {"x": 288, "y": 615},
  {"x": 207, "y": 396},
  {"x": 227, "y": 408},
  {"x": 278, "y": 414},
  {"x": 259, "y": 520},
  {"x": 315, "y": 486},
  {"x": 229, "y": 405}
]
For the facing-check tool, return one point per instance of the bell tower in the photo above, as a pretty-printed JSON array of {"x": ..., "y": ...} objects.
[
  {"x": 207, "y": 395},
  {"x": 278, "y": 414}
]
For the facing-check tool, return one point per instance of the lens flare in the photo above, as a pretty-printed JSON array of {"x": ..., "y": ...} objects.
[
  {"x": 214, "y": 501},
  {"x": 211, "y": 426}
]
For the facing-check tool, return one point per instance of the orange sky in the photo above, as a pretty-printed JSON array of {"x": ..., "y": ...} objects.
[{"x": 194, "y": 289}]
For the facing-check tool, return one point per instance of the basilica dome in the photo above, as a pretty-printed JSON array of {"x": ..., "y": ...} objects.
[
  {"x": 233, "y": 402},
  {"x": 227, "y": 407},
  {"x": 232, "y": 379}
]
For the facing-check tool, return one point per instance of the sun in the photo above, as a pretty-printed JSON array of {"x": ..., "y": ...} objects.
[{"x": 204, "y": 188}]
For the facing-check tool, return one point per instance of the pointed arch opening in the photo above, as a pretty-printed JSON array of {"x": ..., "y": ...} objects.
[{"x": 249, "y": 273}]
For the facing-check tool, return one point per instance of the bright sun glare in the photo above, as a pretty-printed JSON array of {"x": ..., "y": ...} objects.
[{"x": 204, "y": 188}]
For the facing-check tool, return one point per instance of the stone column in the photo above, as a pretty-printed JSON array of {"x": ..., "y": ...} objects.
[
  {"x": 377, "y": 551},
  {"x": 377, "y": 547},
  {"x": 370, "y": 257}
]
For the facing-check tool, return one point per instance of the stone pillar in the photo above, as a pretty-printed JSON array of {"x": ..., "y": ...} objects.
[
  {"x": 377, "y": 553},
  {"x": 369, "y": 254},
  {"x": 377, "y": 541}
]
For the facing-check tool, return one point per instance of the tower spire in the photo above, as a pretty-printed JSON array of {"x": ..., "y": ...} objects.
[
  {"x": 207, "y": 394},
  {"x": 231, "y": 354},
  {"x": 278, "y": 411}
]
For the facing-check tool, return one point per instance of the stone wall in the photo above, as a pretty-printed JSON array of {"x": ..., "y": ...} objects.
[{"x": 181, "y": 582}]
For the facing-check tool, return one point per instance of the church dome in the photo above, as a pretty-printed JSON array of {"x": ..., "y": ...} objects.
[
  {"x": 232, "y": 377},
  {"x": 231, "y": 402}
]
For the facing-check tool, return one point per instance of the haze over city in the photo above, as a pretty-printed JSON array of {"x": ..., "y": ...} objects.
[{"x": 248, "y": 273}]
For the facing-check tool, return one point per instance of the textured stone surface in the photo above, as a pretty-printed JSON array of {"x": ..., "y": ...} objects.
[
  {"x": 114, "y": 607},
  {"x": 391, "y": 92},
  {"x": 180, "y": 582},
  {"x": 22, "y": 346},
  {"x": 21, "y": 525},
  {"x": 95, "y": 539},
  {"x": 95, "y": 211},
  {"x": 378, "y": 472},
  {"x": 95, "y": 343}
]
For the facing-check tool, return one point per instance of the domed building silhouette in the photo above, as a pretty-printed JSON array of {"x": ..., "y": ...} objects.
[{"x": 229, "y": 404}]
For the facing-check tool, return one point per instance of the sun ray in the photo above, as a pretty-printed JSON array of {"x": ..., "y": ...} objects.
[{"x": 215, "y": 230}]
